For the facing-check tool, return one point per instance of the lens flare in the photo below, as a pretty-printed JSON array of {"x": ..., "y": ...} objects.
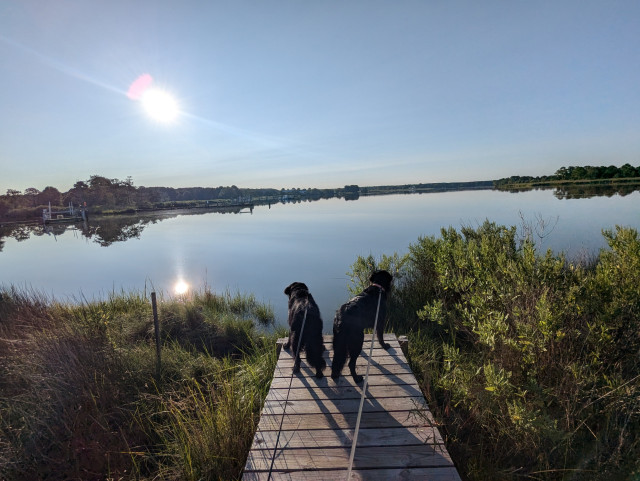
[{"x": 138, "y": 87}]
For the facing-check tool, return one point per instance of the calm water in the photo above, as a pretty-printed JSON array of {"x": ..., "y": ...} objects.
[{"x": 312, "y": 242}]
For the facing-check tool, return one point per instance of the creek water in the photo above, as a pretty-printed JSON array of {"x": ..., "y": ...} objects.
[{"x": 262, "y": 251}]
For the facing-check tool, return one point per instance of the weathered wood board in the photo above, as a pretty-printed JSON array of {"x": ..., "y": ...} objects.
[{"x": 312, "y": 421}]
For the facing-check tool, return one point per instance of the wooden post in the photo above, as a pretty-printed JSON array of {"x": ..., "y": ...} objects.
[
  {"x": 156, "y": 325},
  {"x": 404, "y": 345},
  {"x": 280, "y": 343}
]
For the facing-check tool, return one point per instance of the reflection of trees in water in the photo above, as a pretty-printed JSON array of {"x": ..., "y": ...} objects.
[
  {"x": 588, "y": 191},
  {"x": 104, "y": 231},
  {"x": 351, "y": 196},
  {"x": 110, "y": 230},
  {"x": 19, "y": 232}
]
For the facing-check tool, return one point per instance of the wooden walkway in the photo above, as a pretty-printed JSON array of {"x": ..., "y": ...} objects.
[{"x": 397, "y": 437}]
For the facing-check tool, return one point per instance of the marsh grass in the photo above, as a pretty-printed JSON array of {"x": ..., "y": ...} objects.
[{"x": 78, "y": 397}]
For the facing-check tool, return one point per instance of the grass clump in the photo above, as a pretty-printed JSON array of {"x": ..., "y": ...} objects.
[
  {"x": 79, "y": 398},
  {"x": 529, "y": 360}
]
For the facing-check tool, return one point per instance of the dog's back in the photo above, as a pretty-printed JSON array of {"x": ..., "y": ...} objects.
[
  {"x": 359, "y": 312},
  {"x": 303, "y": 311},
  {"x": 300, "y": 302},
  {"x": 353, "y": 317}
]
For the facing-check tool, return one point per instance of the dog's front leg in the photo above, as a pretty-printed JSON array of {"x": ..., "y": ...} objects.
[
  {"x": 287, "y": 344},
  {"x": 296, "y": 364},
  {"x": 380, "y": 334}
]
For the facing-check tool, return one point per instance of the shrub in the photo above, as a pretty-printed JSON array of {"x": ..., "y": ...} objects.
[{"x": 531, "y": 361}]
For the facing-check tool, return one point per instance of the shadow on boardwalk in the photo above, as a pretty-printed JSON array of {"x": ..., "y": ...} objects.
[{"x": 397, "y": 438}]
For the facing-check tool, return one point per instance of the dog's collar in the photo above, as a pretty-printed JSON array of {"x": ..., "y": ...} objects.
[{"x": 378, "y": 285}]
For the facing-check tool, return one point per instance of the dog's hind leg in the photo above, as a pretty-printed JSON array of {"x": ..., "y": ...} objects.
[
  {"x": 315, "y": 359},
  {"x": 355, "y": 348},
  {"x": 339, "y": 354},
  {"x": 294, "y": 342}
]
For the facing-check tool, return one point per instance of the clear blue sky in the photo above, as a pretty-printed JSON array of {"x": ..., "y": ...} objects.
[{"x": 316, "y": 93}]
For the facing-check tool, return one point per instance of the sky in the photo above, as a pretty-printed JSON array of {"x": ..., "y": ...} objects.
[{"x": 325, "y": 93}]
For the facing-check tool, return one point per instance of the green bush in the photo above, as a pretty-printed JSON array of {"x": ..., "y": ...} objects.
[{"x": 529, "y": 360}]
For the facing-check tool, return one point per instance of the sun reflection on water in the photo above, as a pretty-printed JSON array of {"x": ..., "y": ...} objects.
[{"x": 180, "y": 288}]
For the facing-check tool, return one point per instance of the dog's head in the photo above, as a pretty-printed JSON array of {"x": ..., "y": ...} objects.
[
  {"x": 382, "y": 278},
  {"x": 295, "y": 286}
]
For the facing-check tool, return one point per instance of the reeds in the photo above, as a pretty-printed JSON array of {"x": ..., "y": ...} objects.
[{"x": 79, "y": 399}]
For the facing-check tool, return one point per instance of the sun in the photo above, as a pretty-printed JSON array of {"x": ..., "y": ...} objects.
[{"x": 160, "y": 105}]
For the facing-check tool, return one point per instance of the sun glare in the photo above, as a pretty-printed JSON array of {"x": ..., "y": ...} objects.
[
  {"x": 181, "y": 288},
  {"x": 160, "y": 105}
]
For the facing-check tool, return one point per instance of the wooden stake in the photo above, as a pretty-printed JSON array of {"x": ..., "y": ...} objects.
[{"x": 156, "y": 325}]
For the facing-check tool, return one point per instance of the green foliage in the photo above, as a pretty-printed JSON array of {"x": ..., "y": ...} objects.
[
  {"x": 530, "y": 361},
  {"x": 575, "y": 173},
  {"x": 363, "y": 267}
]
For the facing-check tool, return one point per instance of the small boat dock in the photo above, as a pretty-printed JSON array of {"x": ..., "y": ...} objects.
[{"x": 313, "y": 423}]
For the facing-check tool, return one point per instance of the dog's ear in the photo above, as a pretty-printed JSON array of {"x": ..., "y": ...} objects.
[{"x": 287, "y": 290}]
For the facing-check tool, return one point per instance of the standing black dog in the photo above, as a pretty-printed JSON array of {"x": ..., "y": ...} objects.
[
  {"x": 300, "y": 300},
  {"x": 353, "y": 317}
]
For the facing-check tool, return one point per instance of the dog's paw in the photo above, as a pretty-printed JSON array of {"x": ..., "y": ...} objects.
[
  {"x": 319, "y": 374},
  {"x": 357, "y": 378},
  {"x": 335, "y": 376},
  {"x": 386, "y": 346},
  {"x": 286, "y": 346},
  {"x": 296, "y": 368}
]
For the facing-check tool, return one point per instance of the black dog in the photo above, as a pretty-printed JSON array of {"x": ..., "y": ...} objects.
[
  {"x": 301, "y": 301},
  {"x": 353, "y": 317}
]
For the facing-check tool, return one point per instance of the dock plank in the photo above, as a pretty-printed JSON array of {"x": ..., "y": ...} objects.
[
  {"x": 344, "y": 392},
  {"x": 326, "y": 438},
  {"x": 374, "y": 380},
  {"x": 412, "y": 474},
  {"x": 425, "y": 456},
  {"x": 269, "y": 422},
  {"x": 375, "y": 369},
  {"x": 314, "y": 406}
]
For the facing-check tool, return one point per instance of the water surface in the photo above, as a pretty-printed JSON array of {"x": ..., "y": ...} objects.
[{"x": 312, "y": 242}]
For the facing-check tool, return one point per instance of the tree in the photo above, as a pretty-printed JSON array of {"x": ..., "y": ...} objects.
[
  {"x": 4, "y": 206},
  {"x": 33, "y": 193},
  {"x": 562, "y": 173},
  {"x": 14, "y": 196},
  {"x": 99, "y": 181},
  {"x": 627, "y": 170},
  {"x": 578, "y": 173},
  {"x": 50, "y": 194}
]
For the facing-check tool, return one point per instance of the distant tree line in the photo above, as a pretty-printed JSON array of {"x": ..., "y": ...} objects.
[
  {"x": 587, "y": 172},
  {"x": 102, "y": 194}
]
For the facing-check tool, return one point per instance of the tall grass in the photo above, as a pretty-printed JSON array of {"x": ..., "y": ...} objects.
[
  {"x": 79, "y": 400},
  {"x": 529, "y": 360}
]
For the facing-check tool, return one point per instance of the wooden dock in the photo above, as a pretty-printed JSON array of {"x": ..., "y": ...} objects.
[{"x": 397, "y": 437}]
